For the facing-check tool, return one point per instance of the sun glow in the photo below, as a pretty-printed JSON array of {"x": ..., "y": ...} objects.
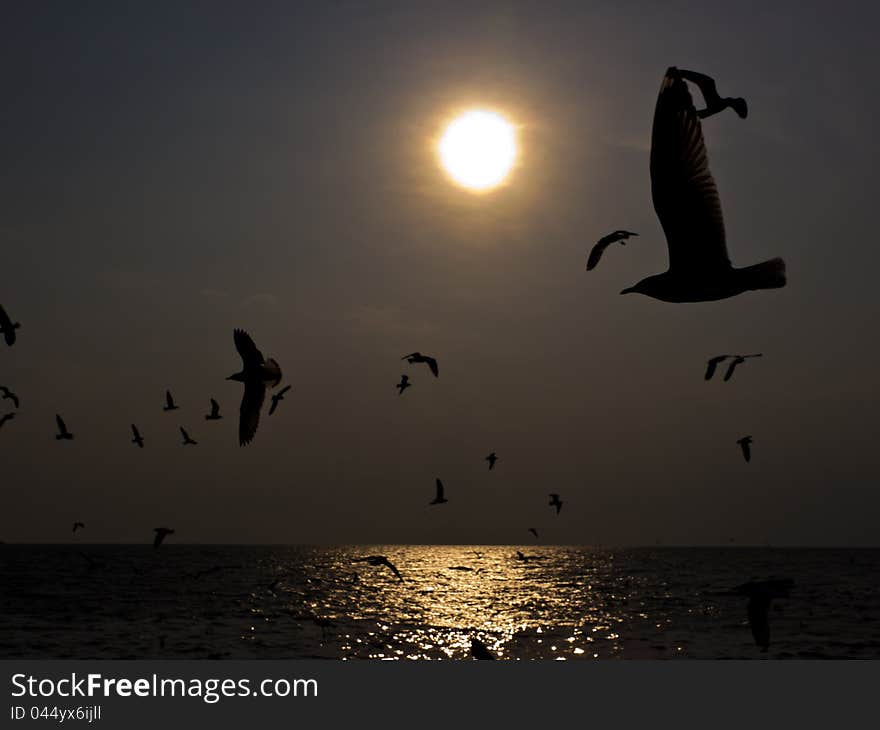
[{"x": 478, "y": 149}]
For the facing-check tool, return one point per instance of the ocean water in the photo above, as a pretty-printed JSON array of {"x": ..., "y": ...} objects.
[{"x": 564, "y": 603}]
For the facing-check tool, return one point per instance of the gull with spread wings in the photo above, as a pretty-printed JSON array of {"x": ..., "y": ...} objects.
[
  {"x": 416, "y": 357},
  {"x": 8, "y": 394},
  {"x": 604, "y": 243},
  {"x": 256, "y": 373},
  {"x": 380, "y": 560}
]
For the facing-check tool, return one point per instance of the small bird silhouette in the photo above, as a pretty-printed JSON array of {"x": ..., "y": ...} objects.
[
  {"x": 604, "y": 243},
  {"x": 161, "y": 534},
  {"x": 745, "y": 444},
  {"x": 8, "y": 327},
  {"x": 712, "y": 365},
  {"x": 8, "y": 394},
  {"x": 439, "y": 499},
  {"x": 760, "y": 594},
  {"x": 521, "y": 556},
  {"x": 78, "y": 525},
  {"x": 256, "y": 373},
  {"x": 214, "y": 415},
  {"x": 417, "y": 357},
  {"x": 6, "y": 417},
  {"x": 555, "y": 502},
  {"x": 63, "y": 434},
  {"x": 380, "y": 560},
  {"x": 277, "y": 398},
  {"x": 491, "y": 458},
  {"x": 403, "y": 384},
  {"x": 480, "y": 651},
  {"x": 169, "y": 402},
  {"x": 534, "y": 532},
  {"x": 737, "y": 360},
  {"x": 186, "y": 438},
  {"x": 714, "y": 102},
  {"x": 137, "y": 438}
]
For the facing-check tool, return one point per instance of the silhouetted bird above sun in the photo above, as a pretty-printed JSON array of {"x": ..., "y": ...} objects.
[
  {"x": 63, "y": 434},
  {"x": 480, "y": 651},
  {"x": 439, "y": 498},
  {"x": 491, "y": 458},
  {"x": 161, "y": 534},
  {"x": 169, "y": 402},
  {"x": 380, "y": 560},
  {"x": 534, "y": 532},
  {"x": 8, "y": 327},
  {"x": 6, "y": 417},
  {"x": 187, "y": 440},
  {"x": 417, "y": 357},
  {"x": 714, "y": 102},
  {"x": 403, "y": 384},
  {"x": 687, "y": 203},
  {"x": 78, "y": 525},
  {"x": 256, "y": 373},
  {"x": 745, "y": 444},
  {"x": 604, "y": 243},
  {"x": 737, "y": 360},
  {"x": 277, "y": 398},
  {"x": 214, "y": 415},
  {"x": 555, "y": 502},
  {"x": 760, "y": 594},
  {"x": 9, "y": 395}
]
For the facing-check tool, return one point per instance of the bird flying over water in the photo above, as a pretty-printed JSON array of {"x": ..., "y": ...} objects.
[
  {"x": 78, "y": 525},
  {"x": 714, "y": 102},
  {"x": 6, "y": 417},
  {"x": 161, "y": 534},
  {"x": 604, "y": 243},
  {"x": 214, "y": 415},
  {"x": 555, "y": 502},
  {"x": 137, "y": 438},
  {"x": 403, "y": 384},
  {"x": 186, "y": 438},
  {"x": 169, "y": 402},
  {"x": 491, "y": 458},
  {"x": 63, "y": 434},
  {"x": 417, "y": 357},
  {"x": 256, "y": 373},
  {"x": 277, "y": 398},
  {"x": 8, "y": 327},
  {"x": 480, "y": 651},
  {"x": 687, "y": 203},
  {"x": 745, "y": 444},
  {"x": 737, "y": 360},
  {"x": 9, "y": 395},
  {"x": 534, "y": 532},
  {"x": 380, "y": 560},
  {"x": 760, "y": 594},
  {"x": 439, "y": 499}
]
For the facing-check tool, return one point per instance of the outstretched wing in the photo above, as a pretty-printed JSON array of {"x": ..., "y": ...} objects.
[
  {"x": 5, "y": 322},
  {"x": 60, "y": 421},
  {"x": 432, "y": 363},
  {"x": 684, "y": 193},
  {"x": 250, "y": 355},
  {"x": 731, "y": 368},
  {"x": 135, "y": 432},
  {"x": 439, "y": 489},
  {"x": 393, "y": 569},
  {"x": 712, "y": 365},
  {"x": 158, "y": 539},
  {"x": 249, "y": 416},
  {"x": 169, "y": 401},
  {"x": 598, "y": 250}
]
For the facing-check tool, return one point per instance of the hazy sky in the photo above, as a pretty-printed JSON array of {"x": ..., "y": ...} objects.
[{"x": 172, "y": 172}]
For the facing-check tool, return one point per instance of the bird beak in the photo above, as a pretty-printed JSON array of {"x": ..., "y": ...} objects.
[{"x": 629, "y": 290}]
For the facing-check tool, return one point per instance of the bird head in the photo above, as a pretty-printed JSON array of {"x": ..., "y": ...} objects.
[{"x": 237, "y": 376}]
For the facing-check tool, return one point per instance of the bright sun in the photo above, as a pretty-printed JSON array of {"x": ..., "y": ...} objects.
[{"x": 477, "y": 149}]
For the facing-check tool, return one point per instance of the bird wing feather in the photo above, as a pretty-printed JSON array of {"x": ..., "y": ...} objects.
[
  {"x": 250, "y": 355},
  {"x": 249, "y": 416}
]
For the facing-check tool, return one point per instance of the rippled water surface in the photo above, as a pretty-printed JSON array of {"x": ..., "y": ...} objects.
[{"x": 567, "y": 603}]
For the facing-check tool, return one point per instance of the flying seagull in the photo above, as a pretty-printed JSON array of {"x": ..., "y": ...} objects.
[
  {"x": 604, "y": 243},
  {"x": 8, "y": 394},
  {"x": 491, "y": 458},
  {"x": 8, "y": 327},
  {"x": 77, "y": 525},
  {"x": 403, "y": 384},
  {"x": 161, "y": 534},
  {"x": 745, "y": 444},
  {"x": 417, "y": 357},
  {"x": 380, "y": 560},
  {"x": 186, "y": 438},
  {"x": 439, "y": 499},
  {"x": 555, "y": 502},
  {"x": 63, "y": 433},
  {"x": 760, "y": 594},
  {"x": 256, "y": 372},
  {"x": 169, "y": 402},
  {"x": 687, "y": 203},
  {"x": 521, "y": 556},
  {"x": 214, "y": 415},
  {"x": 137, "y": 438},
  {"x": 714, "y": 102},
  {"x": 277, "y": 398},
  {"x": 737, "y": 360},
  {"x": 534, "y": 532},
  {"x": 480, "y": 651},
  {"x": 712, "y": 365},
  {"x": 6, "y": 417}
]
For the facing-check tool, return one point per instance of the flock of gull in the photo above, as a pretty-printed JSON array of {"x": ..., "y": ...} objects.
[{"x": 688, "y": 206}]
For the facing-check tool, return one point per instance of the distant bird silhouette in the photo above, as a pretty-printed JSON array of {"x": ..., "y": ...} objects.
[
  {"x": 555, "y": 502},
  {"x": 439, "y": 499},
  {"x": 480, "y": 651},
  {"x": 277, "y": 398},
  {"x": 186, "y": 438},
  {"x": 604, "y": 243},
  {"x": 169, "y": 402},
  {"x": 161, "y": 534},
  {"x": 714, "y": 102},
  {"x": 712, "y": 365},
  {"x": 8, "y": 327},
  {"x": 403, "y": 384},
  {"x": 6, "y": 417},
  {"x": 214, "y": 415},
  {"x": 491, "y": 458},
  {"x": 137, "y": 438},
  {"x": 760, "y": 594},
  {"x": 78, "y": 525},
  {"x": 380, "y": 560},
  {"x": 534, "y": 532},
  {"x": 256, "y": 373},
  {"x": 63, "y": 434},
  {"x": 737, "y": 360},
  {"x": 521, "y": 556},
  {"x": 687, "y": 203},
  {"x": 745, "y": 444},
  {"x": 417, "y": 357},
  {"x": 9, "y": 395}
]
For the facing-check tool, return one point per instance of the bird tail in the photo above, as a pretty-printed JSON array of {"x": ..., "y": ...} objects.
[{"x": 766, "y": 275}]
